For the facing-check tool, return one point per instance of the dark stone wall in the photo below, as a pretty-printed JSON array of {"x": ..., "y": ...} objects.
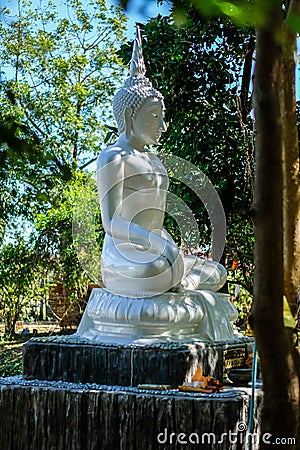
[{"x": 67, "y": 359}]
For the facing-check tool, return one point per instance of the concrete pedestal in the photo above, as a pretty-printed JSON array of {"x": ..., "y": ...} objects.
[
  {"x": 70, "y": 358},
  {"x": 81, "y": 395},
  {"x": 169, "y": 316},
  {"x": 47, "y": 415}
]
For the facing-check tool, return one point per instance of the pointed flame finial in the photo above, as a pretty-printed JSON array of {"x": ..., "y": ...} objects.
[
  {"x": 137, "y": 64},
  {"x": 136, "y": 88}
]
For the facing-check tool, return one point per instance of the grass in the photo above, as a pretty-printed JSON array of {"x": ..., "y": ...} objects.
[
  {"x": 11, "y": 355},
  {"x": 11, "y": 349}
]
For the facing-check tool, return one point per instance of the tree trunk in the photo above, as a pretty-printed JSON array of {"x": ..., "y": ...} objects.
[
  {"x": 280, "y": 412},
  {"x": 291, "y": 191},
  {"x": 9, "y": 325},
  {"x": 291, "y": 187}
]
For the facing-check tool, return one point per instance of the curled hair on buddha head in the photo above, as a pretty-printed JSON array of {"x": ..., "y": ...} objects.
[{"x": 136, "y": 89}]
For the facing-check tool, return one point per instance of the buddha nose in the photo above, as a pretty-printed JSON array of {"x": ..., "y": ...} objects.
[{"x": 163, "y": 126}]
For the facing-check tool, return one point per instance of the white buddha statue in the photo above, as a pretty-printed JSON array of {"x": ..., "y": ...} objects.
[
  {"x": 138, "y": 254},
  {"x": 140, "y": 261}
]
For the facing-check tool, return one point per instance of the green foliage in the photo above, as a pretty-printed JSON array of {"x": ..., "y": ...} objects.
[
  {"x": 65, "y": 70},
  {"x": 88, "y": 231},
  {"x": 21, "y": 282},
  {"x": 61, "y": 67},
  {"x": 240, "y": 250},
  {"x": 242, "y": 302},
  {"x": 54, "y": 240},
  {"x": 241, "y": 12},
  {"x": 11, "y": 356}
]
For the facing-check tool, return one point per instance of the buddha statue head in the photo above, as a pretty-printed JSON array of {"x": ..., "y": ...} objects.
[{"x": 137, "y": 87}]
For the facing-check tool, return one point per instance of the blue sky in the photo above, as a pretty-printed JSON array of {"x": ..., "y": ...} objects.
[
  {"x": 142, "y": 11},
  {"x": 137, "y": 11}
]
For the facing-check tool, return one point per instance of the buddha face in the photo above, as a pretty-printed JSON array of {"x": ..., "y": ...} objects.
[{"x": 148, "y": 124}]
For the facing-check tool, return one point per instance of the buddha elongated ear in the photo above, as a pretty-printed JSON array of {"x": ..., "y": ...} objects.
[{"x": 128, "y": 122}]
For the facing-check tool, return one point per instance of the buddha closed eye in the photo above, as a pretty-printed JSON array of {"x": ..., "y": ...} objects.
[{"x": 148, "y": 124}]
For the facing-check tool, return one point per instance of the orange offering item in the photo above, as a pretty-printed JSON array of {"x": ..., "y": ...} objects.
[
  {"x": 198, "y": 375},
  {"x": 249, "y": 361},
  {"x": 200, "y": 383}
]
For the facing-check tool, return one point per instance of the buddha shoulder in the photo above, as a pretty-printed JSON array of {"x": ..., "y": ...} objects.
[{"x": 113, "y": 153}]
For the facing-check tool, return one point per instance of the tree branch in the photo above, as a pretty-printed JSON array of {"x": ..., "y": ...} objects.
[
  {"x": 246, "y": 78},
  {"x": 88, "y": 163}
]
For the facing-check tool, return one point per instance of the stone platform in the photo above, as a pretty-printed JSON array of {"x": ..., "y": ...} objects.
[
  {"x": 43, "y": 415},
  {"x": 73, "y": 359}
]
